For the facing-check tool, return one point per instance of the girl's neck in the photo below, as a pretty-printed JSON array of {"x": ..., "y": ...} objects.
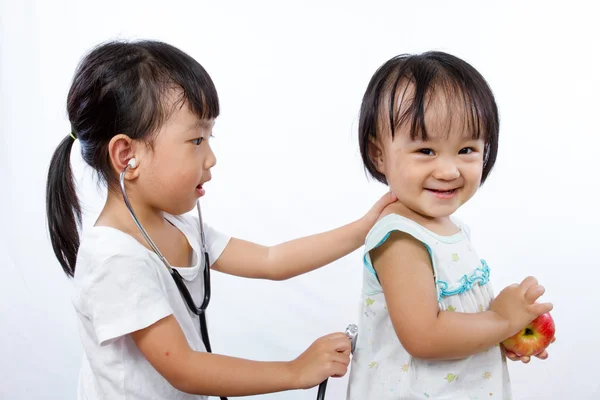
[
  {"x": 440, "y": 225},
  {"x": 116, "y": 215},
  {"x": 172, "y": 243}
]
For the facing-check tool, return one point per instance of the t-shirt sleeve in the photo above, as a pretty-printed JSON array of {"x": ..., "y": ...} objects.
[
  {"x": 124, "y": 294},
  {"x": 216, "y": 242}
]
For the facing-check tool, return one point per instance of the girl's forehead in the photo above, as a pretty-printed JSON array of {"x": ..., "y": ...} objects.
[
  {"x": 197, "y": 122},
  {"x": 182, "y": 113},
  {"x": 445, "y": 118}
]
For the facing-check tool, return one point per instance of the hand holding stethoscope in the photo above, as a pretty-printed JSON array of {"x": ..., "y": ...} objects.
[
  {"x": 351, "y": 330},
  {"x": 352, "y": 333}
]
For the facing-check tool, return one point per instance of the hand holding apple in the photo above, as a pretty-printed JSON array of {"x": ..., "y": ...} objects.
[
  {"x": 525, "y": 359},
  {"x": 516, "y": 304},
  {"x": 533, "y": 339}
]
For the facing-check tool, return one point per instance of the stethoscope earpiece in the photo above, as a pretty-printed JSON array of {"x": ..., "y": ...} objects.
[{"x": 132, "y": 163}]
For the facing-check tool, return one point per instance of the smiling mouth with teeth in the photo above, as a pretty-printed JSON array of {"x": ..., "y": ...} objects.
[{"x": 443, "y": 193}]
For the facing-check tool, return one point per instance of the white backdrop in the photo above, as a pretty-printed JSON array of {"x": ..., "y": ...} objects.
[{"x": 290, "y": 77}]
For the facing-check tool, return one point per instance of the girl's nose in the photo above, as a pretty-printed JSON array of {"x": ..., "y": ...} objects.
[
  {"x": 210, "y": 160},
  {"x": 446, "y": 170}
]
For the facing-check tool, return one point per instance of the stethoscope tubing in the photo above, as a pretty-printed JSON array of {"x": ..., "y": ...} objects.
[{"x": 351, "y": 330}]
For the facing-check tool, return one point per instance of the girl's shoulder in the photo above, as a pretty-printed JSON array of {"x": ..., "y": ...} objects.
[
  {"x": 105, "y": 251},
  {"x": 396, "y": 222},
  {"x": 106, "y": 241}
]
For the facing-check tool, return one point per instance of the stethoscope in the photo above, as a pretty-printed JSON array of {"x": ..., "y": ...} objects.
[
  {"x": 352, "y": 334},
  {"x": 351, "y": 331},
  {"x": 185, "y": 293}
]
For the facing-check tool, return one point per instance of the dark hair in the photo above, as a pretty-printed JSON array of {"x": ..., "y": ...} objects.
[
  {"x": 423, "y": 74},
  {"x": 119, "y": 87}
]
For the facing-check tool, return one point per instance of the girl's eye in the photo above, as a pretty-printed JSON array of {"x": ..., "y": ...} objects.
[
  {"x": 427, "y": 152},
  {"x": 466, "y": 150},
  {"x": 198, "y": 141}
]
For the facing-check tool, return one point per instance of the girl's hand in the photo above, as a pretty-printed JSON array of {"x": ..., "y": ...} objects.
[
  {"x": 525, "y": 359},
  {"x": 516, "y": 304},
  {"x": 371, "y": 217},
  {"x": 328, "y": 356}
]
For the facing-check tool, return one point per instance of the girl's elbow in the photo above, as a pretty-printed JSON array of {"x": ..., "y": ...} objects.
[
  {"x": 423, "y": 354},
  {"x": 431, "y": 352},
  {"x": 189, "y": 386},
  {"x": 422, "y": 348},
  {"x": 417, "y": 350},
  {"x": 181, "y": 379},
  {"x": 274, "y": 275},
  {"x": 182, "y": 384},
  {"x": 278, "y": 276}
]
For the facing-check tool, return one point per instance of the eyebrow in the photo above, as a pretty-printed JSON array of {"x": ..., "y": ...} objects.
[
  {"x": 466, "y": 137},
  {"x": 201, "y": 123}
]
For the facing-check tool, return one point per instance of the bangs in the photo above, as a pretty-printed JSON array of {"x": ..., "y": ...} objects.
[{"x": 415, "y": 95}]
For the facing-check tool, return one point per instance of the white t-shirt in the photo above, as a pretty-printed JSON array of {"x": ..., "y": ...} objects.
[{"x": 121, "y": 287}]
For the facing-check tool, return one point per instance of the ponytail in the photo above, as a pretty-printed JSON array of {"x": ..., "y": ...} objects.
[{"x": 62, "y": 207}]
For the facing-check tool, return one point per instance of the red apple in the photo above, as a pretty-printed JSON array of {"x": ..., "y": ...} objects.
[{"x": 533, "y": 339}]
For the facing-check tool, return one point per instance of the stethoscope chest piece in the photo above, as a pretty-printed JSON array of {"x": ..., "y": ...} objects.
[{"x": 352, "y": 333}]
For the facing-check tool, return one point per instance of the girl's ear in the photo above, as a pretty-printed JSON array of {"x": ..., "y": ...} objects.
[
  {"x": 120, "y": 152},
  {"x": 376, "y": 155}
]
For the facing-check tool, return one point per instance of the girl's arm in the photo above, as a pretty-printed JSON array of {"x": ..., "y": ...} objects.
[
  {"x": 164, "y": 345},
  {"x": 299, "y": 256},
  {"x": 404, "y": 268}
]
